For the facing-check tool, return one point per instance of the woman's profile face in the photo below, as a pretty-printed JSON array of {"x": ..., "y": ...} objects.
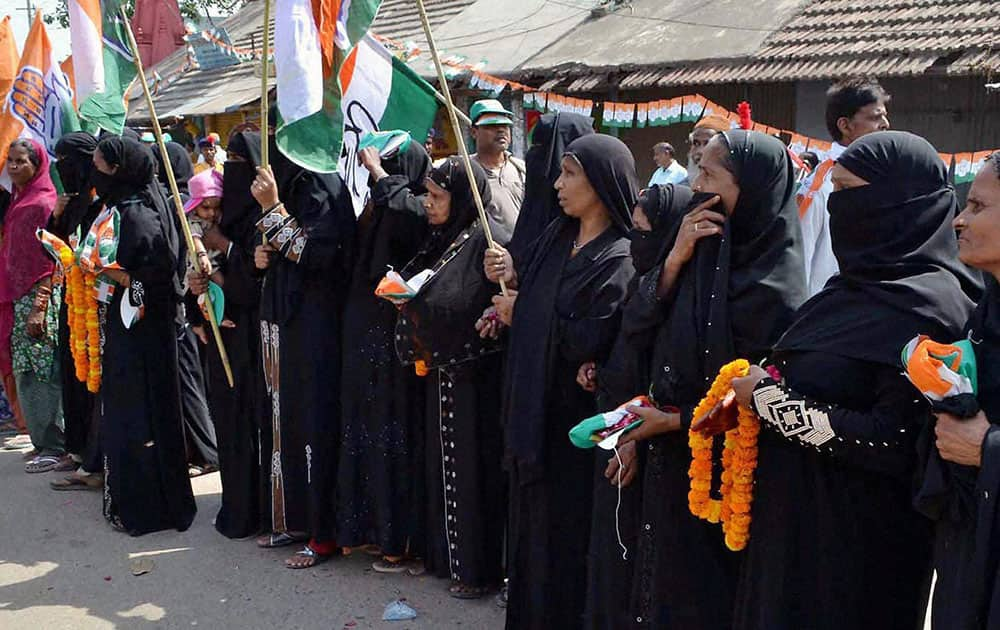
[
  {"x": 714, "y": 177},
  {"x": 437, "y": 203},
  {"x": 978, "y": 224},
  {"x": 19, "y": 166},
  {"x": 843, "y": 179},
  {"x": 576, "y": 196}
]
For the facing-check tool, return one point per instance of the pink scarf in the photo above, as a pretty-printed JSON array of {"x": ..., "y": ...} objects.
[{"x": 23, "y": 261}]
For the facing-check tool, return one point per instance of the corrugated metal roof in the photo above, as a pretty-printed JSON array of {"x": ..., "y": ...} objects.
[{"x": 830, "y": 38}]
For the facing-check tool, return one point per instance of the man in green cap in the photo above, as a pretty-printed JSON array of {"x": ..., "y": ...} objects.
[{"x": 491, "y": 129}]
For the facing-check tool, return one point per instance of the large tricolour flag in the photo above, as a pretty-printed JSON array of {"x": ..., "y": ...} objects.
[
  {"x": 102, "y": 63},
  {"x": 312, "y": 38},
  {"x": 40, "y": 102},
  {"x": 380, "y": 93}
]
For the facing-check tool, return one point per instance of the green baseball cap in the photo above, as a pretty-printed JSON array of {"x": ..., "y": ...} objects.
[{"x": 490, "y": 112}]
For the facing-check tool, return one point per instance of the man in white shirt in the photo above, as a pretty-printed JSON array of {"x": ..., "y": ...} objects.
[
  {"x": 854, "y": 107},
  {"x": 669, "y": 171}
]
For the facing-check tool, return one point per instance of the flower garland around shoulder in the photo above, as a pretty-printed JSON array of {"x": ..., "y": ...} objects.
[{"x": 739, "y": 461}]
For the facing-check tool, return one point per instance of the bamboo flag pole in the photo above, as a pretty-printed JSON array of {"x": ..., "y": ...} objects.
[
  {"x": 450, "y": 106},
  {"x": 265, "y": 63},
  {"x": 174, "y": 192},
  {"x": 265, "y": 157}
]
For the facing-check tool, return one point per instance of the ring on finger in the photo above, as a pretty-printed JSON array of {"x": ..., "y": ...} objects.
[{"x": 697, "y": 226}]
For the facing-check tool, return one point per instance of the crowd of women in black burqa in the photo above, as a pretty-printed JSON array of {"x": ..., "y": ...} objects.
[{"x": 435, "y": 431}]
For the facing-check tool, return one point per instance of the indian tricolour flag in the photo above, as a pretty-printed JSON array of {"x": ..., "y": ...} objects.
[
  {"x": 103, "y": 66},
  {"x": 312, "y": 38},
  {"x": 40, "y": 102},
  {"x": 380, "y": 92}
]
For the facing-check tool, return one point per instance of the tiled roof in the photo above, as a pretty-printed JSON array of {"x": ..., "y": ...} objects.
[
  {"x": 830, "y": 38},
  {"x": 187, "y": 89}
]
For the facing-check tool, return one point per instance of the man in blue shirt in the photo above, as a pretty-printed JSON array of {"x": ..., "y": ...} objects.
[{"x": 669, "y": 171}]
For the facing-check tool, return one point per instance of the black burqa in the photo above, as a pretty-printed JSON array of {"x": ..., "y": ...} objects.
[
  {"x": 967, "y": 550},
  {"x": 466, "y": 497},
  {"x": 733, "y": 298},
  {"x": 567, "y": 313},
  {"x": 623, "y": 376},
  {"x": 300, "y": 311},
  {"x": 236, "y": 410},
  {"x": 146, "y": 482},
  {"x": 832, "y": 514},
  {"x": 549, "y": 139},
  {"x": 199, "y": 428},
  {"x": 75, "y": 153},
  {"x": 380, "y": 495}
]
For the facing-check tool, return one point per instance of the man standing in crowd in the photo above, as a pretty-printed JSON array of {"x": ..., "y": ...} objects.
[
  {"x": 668, "y": 170},
  {"x": 209, "y": 149},
  {"x": 704, "y": 130},
  {"x": 491, "y": 129},
  {"x": 854, "y": 107}
]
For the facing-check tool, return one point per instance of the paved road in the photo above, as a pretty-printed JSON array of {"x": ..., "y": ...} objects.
[{"x": 61, "y": 566}]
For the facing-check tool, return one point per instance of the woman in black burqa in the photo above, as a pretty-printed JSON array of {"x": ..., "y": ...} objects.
[
  {"x": 549, "y": 139},
  {"x": 966, "y": 558},
  {"x": 380, "y": 491},
  {"x": 728, "y": 288},
  {"x": 146, "y": 485},
  {"x": 466, "y": 487},
  {"x": 625, "y": 375},
  {"x": 308, "y": 223},
  {"x": 570, "y": 286},
  {"x": 834, "y": 540},
  {"x": 74, "y": 213},
  {"x": 236, "y": 410}
]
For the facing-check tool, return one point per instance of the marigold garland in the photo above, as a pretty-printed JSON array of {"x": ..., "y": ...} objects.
[
  {"x": 84, "y": 327},
  {"x": 93, "y": 328},
  {"x": 739, "y": 460}
]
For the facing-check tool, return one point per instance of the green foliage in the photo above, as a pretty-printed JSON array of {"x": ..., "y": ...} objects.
[{"x": 194, "y": 10}]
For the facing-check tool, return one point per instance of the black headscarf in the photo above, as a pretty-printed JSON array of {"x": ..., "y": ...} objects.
[
  {"x": 664, "y": 206},
  {"x": 451, "y": 176},
  {"x": 413, "y": 163},
  {"x": 240, "y": 211},
  {"x": 75, "y": 165},
  {"x": 898, "y": 256},
  {"x": 740, "y": 290},
  {"x": 180, "y": 162},
  {"x": 544, "y": 273},
  {"x": 549, "y": 139},
  {"x": 135, "y": 177},
  {"x": 610, "y": 167}
]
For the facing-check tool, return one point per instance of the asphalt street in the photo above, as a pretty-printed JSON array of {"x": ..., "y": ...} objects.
[{"x": 62, "y": 566}]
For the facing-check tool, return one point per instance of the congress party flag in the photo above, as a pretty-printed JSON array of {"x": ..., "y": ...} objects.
[
  {"x": 9, "y": 59},
  {"x": 40, "y": 102},
  {"x": 312, "y": 39},
  {"x": 380, "y": 93},
  {"x": 102, "y": 63}
]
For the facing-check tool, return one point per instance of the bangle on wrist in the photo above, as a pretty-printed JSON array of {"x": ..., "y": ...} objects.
[{"x": 274, "y": 207}]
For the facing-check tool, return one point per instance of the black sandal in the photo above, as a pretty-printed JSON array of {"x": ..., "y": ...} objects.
[
  {"x": 461, "y": 591},
  {"x": 279, "y": 539}
]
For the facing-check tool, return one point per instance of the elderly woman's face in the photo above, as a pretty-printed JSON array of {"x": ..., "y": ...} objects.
[
  {"x": 19, "y": 166},
  {"x": 437, "y": 203},
  {"x": 979, "y": 224},
  {"x": 714, "y": 177},
  {"x": 576, "y": 196}
]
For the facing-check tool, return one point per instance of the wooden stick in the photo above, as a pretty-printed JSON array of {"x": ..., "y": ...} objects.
[
  {"x": 265, "y": 159},
  {"x": 450, "y": 106},
  {"x": 173, "y": 190}
]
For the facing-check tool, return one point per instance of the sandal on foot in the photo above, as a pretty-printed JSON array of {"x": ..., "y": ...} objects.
[
  {"x": 76, "y": 482},
  {"x": 17, "y": 442},
  {"x": 66, "y": 464},
  {"x": 41, "y": 464},
  {"x": 461, "y": 591},
  {"x": 307, "y": 558},
  {"x": 30, "y": 455},
  {"x": 279, "y": 539},
  {"x": 388, "y": 565}
]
